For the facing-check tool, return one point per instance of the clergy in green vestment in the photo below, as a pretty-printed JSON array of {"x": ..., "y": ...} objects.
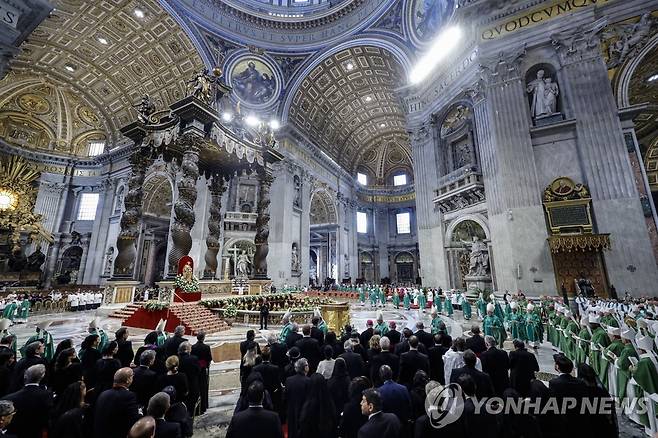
[
  {"x": 396, "y": 299},
  {"x": 23, "y": 310},
  {"x": 160, "y": 330},
  {"x": 362, "y": 295},
  {"x": 645, "y": 374},
  {"x": 498, "y": 311},
  {"x": 570, "y": 332},
  {"x": 448, "y": 304},
  {"x": 481, "y": 306},
  {"x": 624, "y": 362},
  {"x": 93, "y": 329},
  {"x": 406, "y": 299},
  {"x": 381, "y": 326},
  {"x": 550, "y": 327},
  {"x": 493, "y": 326},
  {"x": 287, "y": 327},
  {"x": 422, "y": 300},
  {"x": 564, "y": 322},
  {"x": 610, "y": 354},
  {"x": 516, "y": 323},
  {"x": 508, "y": 313},
  {"x": 466, "y": 307},
  {"x": 436, "y": 321},
  {"x": 372, "y": 294},
  {"x": 4, "y": 332},
  {"x": 608, "y": 319},
  {"x": 382, "y": 296},
  {"x": 9, "y": 311},
  {"x": 533, "y": 326},
  {"x": 584, "y": 338},
  {"x": 47, "y": 339},
  {"x": 600, "y": 340}
]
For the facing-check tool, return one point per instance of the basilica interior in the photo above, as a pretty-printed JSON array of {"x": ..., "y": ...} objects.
[{"x": 484, "y": 146}]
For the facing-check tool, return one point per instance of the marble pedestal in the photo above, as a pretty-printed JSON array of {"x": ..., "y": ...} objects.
[
  {"x": 123, "y": 291},
  {"x": 474, "y": 282}
]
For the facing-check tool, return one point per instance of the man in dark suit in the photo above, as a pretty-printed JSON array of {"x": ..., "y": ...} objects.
[
  {"x": 116, "y": 408},
  {"x": 264, "y": 313},
  {"x": 567, "y": 386},
  {"x": 495, "y": 362},
  {"x": 476, "y": 342},
  {"x": 33, "y": 353},
  {"x": 435, "y": 355},
  {"x": 202, "y": 351},
  {"x": 293, "y": 336},
  {"x": 393, "y": 334},
  {"x": 271, "y": 376},
  {"x": 316, "y": 332},
  {"x": 395, "y": 397},
  {"x": 244, "y": 345},
  {"x": 423, "y": 337},
  {"x": 354, "y": 361},
  {"x": 384, "y": 357},
  {"x": 309, "y": 348},
  {"x": 189, "y": 365},
  {"x": 477, "y": 424},
  {"x": 255, "y": 421},
  {"x": 125, "y": 352},
  {"x": 277, "y": 351},
  {"x": 483, "y": 385},
  {"x": 170, "y": 346},
  {"x": 380, "y": 424},
  {"x": 523, "y": 366},
  {"x": 412, "y": 361},
  {"x": 144, "y": 378},
  {"x": 295, "y": 395},
  {"x": 403, "y": 345},
  {"x": 364, "y": 337},
  {"x": 32, "y": 404},
  {"x": 157, "y": 408}
]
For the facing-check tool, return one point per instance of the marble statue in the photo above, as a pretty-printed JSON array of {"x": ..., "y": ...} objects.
[
  {"x": 478, "y": 258},
  {"x": 145, "y": 108},
  {"x": 297, "y": 202},
  {"x": 242, "y": 265},
  {"x": 109, "y": 258},
  {"x": 295, "y": 264},
  {"x": 201, "y": 85},
  {"x": 544, "y": 95}
]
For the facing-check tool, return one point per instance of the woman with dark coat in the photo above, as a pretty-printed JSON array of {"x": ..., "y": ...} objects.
[
  {"x": 243, "y": 402},
  {"x": 174, "y": 378},
  {"x": 68, "y": 416},
  {"x": 317, "y": 418},
  {"x": 104, "y": 372},
  {"x": 600, "y": 425},
  {"x": 339, "y": 385},
  {"x": 150, "y": 343},
  {"x": 417, "y": 394},
  {"x": 67, "y": 370},
  {"x": 177, "y": 412},
  {"x": 89, "y": 355},
  {"x": 352, "y": 418}
]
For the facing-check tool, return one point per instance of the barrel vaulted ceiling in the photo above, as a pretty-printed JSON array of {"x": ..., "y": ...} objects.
[{"x": 84, "y": 68}]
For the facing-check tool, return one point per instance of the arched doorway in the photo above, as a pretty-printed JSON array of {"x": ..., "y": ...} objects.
[
  {"x": 404, "y": 267},
  {"x": 312, "y": 268},
  {"x": 324, "y": 231},
  {"x": 157, "y": 206},
  {"x": 69, "y": 268},
  {"x": 232, "y": 250},
  {"x": 366, "y": 262},
  {"x": 461, "y": 234}
]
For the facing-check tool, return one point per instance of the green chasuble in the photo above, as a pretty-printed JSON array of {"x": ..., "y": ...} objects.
[
  {"x": 569, "y": 341},
  {"x": 23, "y": 310},
  {"x": 646, "y": 376},
  {"x": 362, "y": 295},
  {"x": 615, "y": 348},
  {"x": 373, "y": 297},
  {"x": 396, "y": 299},
  {"x": 508, "y": 312},
  {"x": 552, "y": 333},
  {"x": 498, "y": 311},
  {"x": 407, "y": 300},
  {"x": 382, "y": 327},
  {"x": 466, "y": 309},
  {"x": 493, "y": 326},
  {"x": 623, "y": 373},
  {"x": 9, "y": 311},
  {"x": 325, "y": 329},
  {"x": 162, "y": 337},
  {"x": 284, "y": 332},
  {"x": 517, "y": 326},
  {"x": 600, "y": 340},
  {"x": 482, "y": 307},
  {"x": 564, "y": 322},
  {"x": 382, "y": 296},
  {"x": 534, "y": 328},
  {"x": 422, "y": 301},
  {"x": 436, "y": 322},
  {"x": 102, "y": 337},
  {"x": 582, "y": 347},
  {"x": 448, "y": 306},
  {"x": 609, "y": 320}
]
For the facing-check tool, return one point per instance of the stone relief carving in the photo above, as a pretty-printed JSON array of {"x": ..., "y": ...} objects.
[
  {"x": 504, "y": 67},
  {"x": 295, "y": 262},
  {"x": 478, "y": 258},
  {"x": 579, "y": 45},
  {"x": 626, "y": 40},
  {"x": 297, "y": 200}
]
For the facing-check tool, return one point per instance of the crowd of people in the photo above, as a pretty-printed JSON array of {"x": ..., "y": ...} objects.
[{"x": 103, "y": 388}]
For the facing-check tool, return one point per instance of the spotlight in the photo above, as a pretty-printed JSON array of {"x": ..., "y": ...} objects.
[
  {"x": 653, "y": 78},
  {"x": 102, "y": 40},
  {"x": 274, "y": 124},
  {"x": 227, "y": 116},
  {"x": 252, "y": 120},
  {"x": 382, "y": 125},
  {"x": 441, "y": 47},
  {"x": 349, "y": 66},
  {"x": 69, "y": 68},
  {"x": 368, "y": 98},
  {"x": 139, "y": 13}
]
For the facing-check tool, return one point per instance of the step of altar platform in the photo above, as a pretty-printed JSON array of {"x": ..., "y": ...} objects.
[
  {"x": 126, "y": 311},
  {"x": 196, "y": 318}
]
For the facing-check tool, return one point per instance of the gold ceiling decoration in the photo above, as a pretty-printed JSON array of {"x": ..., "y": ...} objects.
[
  {"x": 19, "y": 191},
  {"x": 347, "y": 106},
  {"x": 83, "y": 69}
]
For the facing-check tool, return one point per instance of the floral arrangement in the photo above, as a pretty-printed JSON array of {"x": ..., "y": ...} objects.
[
  {"x": 155, "y": 306},
  {"x": 279, "y": 302},
  {"x": 230, "y": 311},
  {"x": 190, "y": 285}
]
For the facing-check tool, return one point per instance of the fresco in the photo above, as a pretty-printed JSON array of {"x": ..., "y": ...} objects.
[
  {"x": 253, "y": 81},
  {"x": 428, "y": 16}
]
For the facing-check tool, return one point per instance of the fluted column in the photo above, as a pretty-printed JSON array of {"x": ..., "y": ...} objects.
[
  {"x": 124, "y": 264},
  {"x": 184, "y": 216},
  {"x": 605, "y": 161},
  {"x": 262, "y": 223},
  {"x": 520, "y": 254},
  {"x": 217, "y": 189}
]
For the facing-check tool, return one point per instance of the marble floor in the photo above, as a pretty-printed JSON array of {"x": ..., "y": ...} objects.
[{"x": 224, "y": 386}]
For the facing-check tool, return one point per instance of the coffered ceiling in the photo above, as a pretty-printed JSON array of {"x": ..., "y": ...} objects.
[
  {"x": 347, "y": 105},
  {"x": 96, "y": 58}
]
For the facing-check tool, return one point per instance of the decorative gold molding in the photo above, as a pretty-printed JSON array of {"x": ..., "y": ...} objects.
[{"x": 579, "y": 242}]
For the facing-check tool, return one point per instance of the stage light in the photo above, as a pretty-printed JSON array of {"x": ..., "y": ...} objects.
[
  {"x": 252, "y": 120},
  {"x": 139, "y": 13},
  {"x": 8, "y": 200},
  {"x": 103, "y": 41},
  {"x": 227, "y": 117},
  {"x": 274, "y": 124}
]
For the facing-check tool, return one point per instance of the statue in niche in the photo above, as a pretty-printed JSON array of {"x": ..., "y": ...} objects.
[
  {"x": 76, "y": 238},
  {"x": 242, "y": 265},
  {"x": 295, "y": 263},
  {"x": 297, "y": 201},
  {"x": 145, "y": 108},
  {"x": 478, "y": 258},
  {"x": 462, "y": 155},
  {"x": 544, "y": 96}
]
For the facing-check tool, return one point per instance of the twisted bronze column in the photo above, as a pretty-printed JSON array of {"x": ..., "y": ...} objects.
[
  {"x": 184, "y": 216},
  {"x": 262, "y": 223},
  {"x": 124, "y": 264},
  {"x": 217, "y": 189}
]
